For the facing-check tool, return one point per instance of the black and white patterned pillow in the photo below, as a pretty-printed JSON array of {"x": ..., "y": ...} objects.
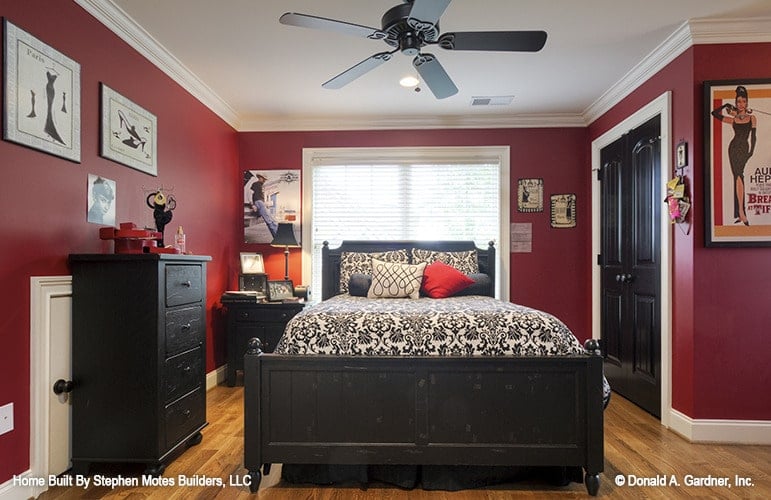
[
  {"x": 393, "y": 280},
  {"x": 361, "y": 263},
  {"x": 465, "y": 262}
]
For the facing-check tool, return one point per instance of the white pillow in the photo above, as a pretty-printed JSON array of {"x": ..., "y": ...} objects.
[{"x": 393, "y": 280}]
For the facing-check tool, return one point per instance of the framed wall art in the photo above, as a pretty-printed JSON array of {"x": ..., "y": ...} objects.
[
  {"x": 270, "y": 197},
  {"x": 530, "y": 195},
  {"x": 737, "y": 125},
  {"x": 563, "y": 210},
  {"x": 42, "y": 96},
  {"x": 129, "y": 133}
]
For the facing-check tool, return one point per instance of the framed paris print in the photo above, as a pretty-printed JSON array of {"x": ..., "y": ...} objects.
[
  {"x": 42, "y": 95},
  {"x": 737, "y": 127}
]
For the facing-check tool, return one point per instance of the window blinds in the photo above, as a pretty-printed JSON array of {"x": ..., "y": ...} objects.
[{"x": 403, "y": 201}]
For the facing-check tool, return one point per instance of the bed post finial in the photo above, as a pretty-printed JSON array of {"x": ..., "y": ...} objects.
[
  {"x": 325, "y": 244},
  {"x": 255, "y": 345},
  {"x": 592, "y": 346}
]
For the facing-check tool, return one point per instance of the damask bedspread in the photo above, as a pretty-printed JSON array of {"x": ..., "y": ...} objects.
[{"x": 454, "y": 326}]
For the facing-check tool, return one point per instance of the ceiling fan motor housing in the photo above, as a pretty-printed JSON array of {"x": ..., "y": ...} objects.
[{"x": 409, "y": 35}]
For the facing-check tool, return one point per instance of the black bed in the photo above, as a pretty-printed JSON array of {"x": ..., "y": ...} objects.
[{"x": 422, "y": 410}]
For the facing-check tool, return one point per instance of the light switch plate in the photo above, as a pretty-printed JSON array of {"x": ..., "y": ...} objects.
[{"x": 6, "y": 418}]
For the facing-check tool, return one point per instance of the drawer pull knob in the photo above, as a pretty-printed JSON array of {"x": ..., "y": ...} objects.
[
  {"x": 186, "y": 369},
  {"x": 187, "y": 326},
  {"x": 187, "y": 284},
  {"x": 186, "y": 413}
]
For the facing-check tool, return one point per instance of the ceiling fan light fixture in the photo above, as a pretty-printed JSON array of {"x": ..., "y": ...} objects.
[{"x": 409, "y": 81}]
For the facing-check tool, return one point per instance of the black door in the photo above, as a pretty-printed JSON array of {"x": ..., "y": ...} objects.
[{"x": 631, "y": 265}]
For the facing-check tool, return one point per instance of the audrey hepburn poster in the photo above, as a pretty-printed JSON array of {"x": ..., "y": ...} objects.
[{"x": 738, "y": 162}]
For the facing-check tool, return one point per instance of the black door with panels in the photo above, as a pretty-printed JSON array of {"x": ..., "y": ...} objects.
[{"x": 630, "y": 264}]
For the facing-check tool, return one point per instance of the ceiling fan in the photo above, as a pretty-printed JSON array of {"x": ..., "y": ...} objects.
[{"x": 408, "y": 28}]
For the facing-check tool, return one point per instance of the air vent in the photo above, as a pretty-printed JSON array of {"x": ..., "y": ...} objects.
[{"x": 500, "y": 100}]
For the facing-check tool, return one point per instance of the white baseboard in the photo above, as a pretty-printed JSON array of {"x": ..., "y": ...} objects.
[
  {"x": 14, "y": 490},
  {"x": 215, "y": 378},
  {"x": 721, "y": 431}
]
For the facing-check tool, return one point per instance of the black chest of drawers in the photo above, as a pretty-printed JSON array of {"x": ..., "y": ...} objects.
[
  {"x": 245, "y": 320},
  {"x": 138, "y": 357}
]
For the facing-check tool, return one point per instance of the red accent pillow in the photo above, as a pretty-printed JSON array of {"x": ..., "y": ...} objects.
[{"x": 441, "y": 280}]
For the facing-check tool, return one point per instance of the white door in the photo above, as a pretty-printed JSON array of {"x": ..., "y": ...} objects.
[{"x": 60, "y": 367}]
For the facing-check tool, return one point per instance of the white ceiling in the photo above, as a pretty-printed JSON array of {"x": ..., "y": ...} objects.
[{"x": 258, "y": 74}]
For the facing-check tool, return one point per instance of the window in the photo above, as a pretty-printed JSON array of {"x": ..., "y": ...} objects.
[{"x": 403, "y": 194}]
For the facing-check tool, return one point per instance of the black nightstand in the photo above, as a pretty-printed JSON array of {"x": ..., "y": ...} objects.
[{"x": 263, "y": 320}]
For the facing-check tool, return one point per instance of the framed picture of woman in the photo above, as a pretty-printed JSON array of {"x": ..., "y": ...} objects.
[{"x": 737, "y": 154}]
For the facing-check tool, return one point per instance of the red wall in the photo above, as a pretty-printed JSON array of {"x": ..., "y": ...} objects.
[
  {"x": 44, "y": 198},
  {"x": 556, "y": 276},
  {"x": 730, "y": 285},
  {"x": 720, "y": 312}
]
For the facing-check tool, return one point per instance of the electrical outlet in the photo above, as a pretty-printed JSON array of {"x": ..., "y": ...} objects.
[{"x": 6, "y": 418}]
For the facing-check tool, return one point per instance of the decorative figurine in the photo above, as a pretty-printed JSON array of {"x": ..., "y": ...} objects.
[{"x": 162, "y": 206}]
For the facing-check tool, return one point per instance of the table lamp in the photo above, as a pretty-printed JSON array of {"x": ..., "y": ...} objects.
[{"x": 285, "y": 238}]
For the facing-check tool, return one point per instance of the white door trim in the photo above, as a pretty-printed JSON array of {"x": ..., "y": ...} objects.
[
  {"x": 662, "y": 105},
  {"x": 42, "y": 291}
]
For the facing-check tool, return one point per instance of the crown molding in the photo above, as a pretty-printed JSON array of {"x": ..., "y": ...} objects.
[
  {"x": 712, "y": 31},
  {"x": 688, "y": 34},
  {"x": 116, "y": 20},
  {"x": 270, "y": 124}
]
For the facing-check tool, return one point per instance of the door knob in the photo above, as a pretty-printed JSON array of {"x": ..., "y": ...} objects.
[{"x": 62, "y": 386}]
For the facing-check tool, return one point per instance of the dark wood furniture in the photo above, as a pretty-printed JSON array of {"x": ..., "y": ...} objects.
[
  {"x": 245, "y": 320},
  {"x": 511, "y": 411},
  {"x": 138, "y": 357}
]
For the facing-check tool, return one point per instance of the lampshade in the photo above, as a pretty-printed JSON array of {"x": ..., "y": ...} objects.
[{"x": 284, "y": 236}]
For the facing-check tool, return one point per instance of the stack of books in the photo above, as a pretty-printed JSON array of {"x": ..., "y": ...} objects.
[{"x": 242, "y": 296}]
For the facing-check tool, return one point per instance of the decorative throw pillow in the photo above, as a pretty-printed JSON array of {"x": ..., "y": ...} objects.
[
  {"x": 361, "y": 262},
  {"x": 392, "y": 280},
  {"x": 483, "y": 285},
  {"x": 441, "y": 280},
  {"x": 359, "y": 284},
  {"x": 465, "y": 261}
]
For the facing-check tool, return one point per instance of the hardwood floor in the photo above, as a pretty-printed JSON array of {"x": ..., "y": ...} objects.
[{"x": 635, "y": 445}]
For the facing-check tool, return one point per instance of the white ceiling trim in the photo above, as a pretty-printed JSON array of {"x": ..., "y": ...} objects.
[
  {"x": 116, "y": 20},
  {"x": 693, "y": 32},
  {"x": 412, "y": 122}
]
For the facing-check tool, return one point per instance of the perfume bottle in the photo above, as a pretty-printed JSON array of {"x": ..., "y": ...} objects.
[{"x": 179, "y": 240}]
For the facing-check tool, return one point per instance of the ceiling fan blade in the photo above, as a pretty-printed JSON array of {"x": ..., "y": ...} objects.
[
  {"x": 356, "y": 71},
  {"x": 434, "y": 75},
  {"x": 428, "y": 11},
  {"x": 322, "y": 23},
  {"x": 511, "y": 41}
]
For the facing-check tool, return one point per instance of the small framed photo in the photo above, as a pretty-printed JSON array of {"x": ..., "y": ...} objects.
[
  {"x": 129, "y": 134},
  {"x": 563, "y": 210},
  {"x": 681, "y": 155},
  {"x": 254, "y": 283},
  {"x": 530, "y": 195},
  {"x": 252, "y": 263},
  {"x": 280, "y": 290}
]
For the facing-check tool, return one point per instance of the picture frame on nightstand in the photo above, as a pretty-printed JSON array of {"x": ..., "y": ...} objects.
[
  {"x": 257, "y": 282},
  {"x": 280, "y": 290}
]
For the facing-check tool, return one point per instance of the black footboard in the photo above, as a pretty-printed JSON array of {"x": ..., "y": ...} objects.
[{"x": 423, "y": 410}]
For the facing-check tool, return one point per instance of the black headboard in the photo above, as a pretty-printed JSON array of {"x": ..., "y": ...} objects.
[{"x": 330, "y": 257}]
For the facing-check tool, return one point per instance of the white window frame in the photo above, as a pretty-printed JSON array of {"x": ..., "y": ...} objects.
[{"x": 335, "y": 156}]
